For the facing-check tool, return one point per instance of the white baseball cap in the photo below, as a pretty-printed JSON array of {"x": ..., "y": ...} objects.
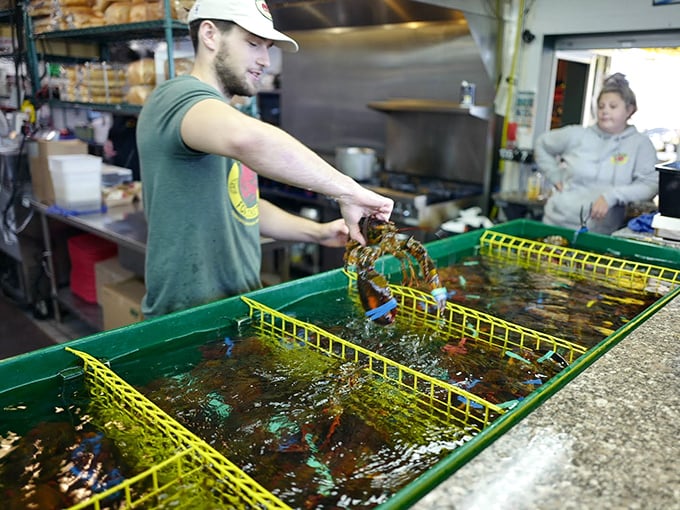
[{"x": 251, "y": 15}]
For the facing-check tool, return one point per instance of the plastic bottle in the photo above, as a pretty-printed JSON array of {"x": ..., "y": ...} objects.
[
  {"x": 535, "y": 186},
  {"x": 467, "y": 94}
]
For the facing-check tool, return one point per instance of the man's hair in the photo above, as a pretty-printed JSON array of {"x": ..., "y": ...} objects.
[{"x": 222, "y": 25}]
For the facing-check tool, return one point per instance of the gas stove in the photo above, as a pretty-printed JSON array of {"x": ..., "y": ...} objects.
[
  {"x": 424, "y": 202},
  {"x": 419, "y": 202}
]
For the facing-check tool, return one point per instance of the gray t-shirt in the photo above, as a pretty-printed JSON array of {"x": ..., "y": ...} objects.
[{"x": 202, "y": 210}]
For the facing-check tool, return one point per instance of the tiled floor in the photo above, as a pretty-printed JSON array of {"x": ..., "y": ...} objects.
[
  {"x": 21, "y": 332},
  {"x": 69, "y": 328}
]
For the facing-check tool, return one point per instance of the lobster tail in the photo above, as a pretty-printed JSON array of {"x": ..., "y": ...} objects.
[{"x": 376, "y": 297}]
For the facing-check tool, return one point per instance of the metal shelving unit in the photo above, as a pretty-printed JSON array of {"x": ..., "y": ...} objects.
[
  {"x": 14, "y": 18},
  {"x": 117, "y": 108},
  {"x": 166, "y": 29}
]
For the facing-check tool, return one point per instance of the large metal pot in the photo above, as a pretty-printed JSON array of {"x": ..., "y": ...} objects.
[{"x": 360, "y": 163}]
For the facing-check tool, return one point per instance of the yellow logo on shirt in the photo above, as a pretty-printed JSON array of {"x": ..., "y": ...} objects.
[
  {"x": 620, "y": 158},
  {"x": 243, "y": 193}
]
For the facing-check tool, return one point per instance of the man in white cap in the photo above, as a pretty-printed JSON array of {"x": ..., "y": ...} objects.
[{"x": 200, "y": 158}]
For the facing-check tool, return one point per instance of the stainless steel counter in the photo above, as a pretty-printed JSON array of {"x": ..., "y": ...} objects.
[
  {"x": 607, "y": 440},
  {"x": 646, "y": 237},
  {"x": 126, "y": 226}
]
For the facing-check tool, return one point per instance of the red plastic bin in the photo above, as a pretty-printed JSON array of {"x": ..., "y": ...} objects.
[{"x": 85, "y": 251}]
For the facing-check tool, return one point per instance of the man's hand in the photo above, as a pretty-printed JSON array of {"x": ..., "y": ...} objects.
[
  {"x": 361, "y": 204},
  {"x": 334, "y": 234}
]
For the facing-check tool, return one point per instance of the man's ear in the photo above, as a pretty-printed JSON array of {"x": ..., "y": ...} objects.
[{"x": 208, "y": 34}]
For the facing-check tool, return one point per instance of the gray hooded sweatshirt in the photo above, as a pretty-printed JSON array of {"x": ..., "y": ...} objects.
[{"x": 589, "y": 163}]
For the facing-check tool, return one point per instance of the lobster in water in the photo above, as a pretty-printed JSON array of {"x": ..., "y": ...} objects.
[{"x": 382, "y": 237}]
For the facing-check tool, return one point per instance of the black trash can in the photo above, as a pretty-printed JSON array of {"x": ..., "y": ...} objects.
[{"x": 669, "y": 188}]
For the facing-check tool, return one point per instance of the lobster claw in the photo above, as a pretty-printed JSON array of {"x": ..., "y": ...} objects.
[{"x": 376, "y": 297}]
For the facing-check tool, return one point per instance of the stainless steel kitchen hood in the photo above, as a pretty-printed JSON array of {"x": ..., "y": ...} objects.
[{"x": 291, "y": 15}]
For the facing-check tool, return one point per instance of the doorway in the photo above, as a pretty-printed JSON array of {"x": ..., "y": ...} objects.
[
  {"x": 569, "y": 95},
  {"x": 651, "y": 63}
]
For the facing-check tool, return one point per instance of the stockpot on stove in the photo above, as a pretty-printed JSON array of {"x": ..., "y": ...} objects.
[{"x": 360, "y": 163}]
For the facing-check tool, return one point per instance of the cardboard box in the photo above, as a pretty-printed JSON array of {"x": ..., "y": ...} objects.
[
  {"x": 38, "y": 152},
  {"x": 109, "y": 271},
  {"x": 122, "y": 303}
]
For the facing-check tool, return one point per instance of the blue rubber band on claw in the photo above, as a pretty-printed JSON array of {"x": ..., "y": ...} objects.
[
  {"x": 439, "y": 291},
  {"x": 381, "y": 310}
]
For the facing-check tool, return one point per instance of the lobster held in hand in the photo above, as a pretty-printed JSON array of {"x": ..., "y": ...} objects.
[{"x": 382, "y": 238}]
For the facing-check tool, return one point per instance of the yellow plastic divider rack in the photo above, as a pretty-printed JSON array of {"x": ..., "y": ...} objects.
[
  {"x": 184, "y": 471},
  {"x": 440, "y": 398},
  {"x": 604, "y": 268},
  {"x": 456, "y": 321}
]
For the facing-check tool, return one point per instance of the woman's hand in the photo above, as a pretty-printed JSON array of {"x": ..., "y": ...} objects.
[{"x": 599, "y": 209}]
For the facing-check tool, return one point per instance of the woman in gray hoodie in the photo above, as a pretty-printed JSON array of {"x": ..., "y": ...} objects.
[{"x": 599, "y": 169}]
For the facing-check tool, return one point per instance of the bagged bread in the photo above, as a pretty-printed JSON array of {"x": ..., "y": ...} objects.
[
  {"x": 104, "y": 71},
  {"x": 38, "y": 8},
  {"x": 44, "y": 24},
  {"x": 117, "y": 13},
  {"x": 142, "y": 72},
  {"x": 180, "y": 9},
  {"x": 147, "y": 11},
  {"x": 61, "y": 4},
  {"x": 80, "y": 17},
  {"x": 101, "y": 5},
  {"x": 183, "y": 66},
  {"x": 137, "y": 94}
]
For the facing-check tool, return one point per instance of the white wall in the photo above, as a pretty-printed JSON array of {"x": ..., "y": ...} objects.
[
  {"x": 559, "y": 17},
  {"x": 555, "y": 17},
  {"x": 579, "y": 17}
]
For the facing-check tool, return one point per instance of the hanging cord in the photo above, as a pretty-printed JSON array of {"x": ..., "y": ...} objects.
[
  {"x": 511, "y": 80},
  {"x": 17, "y": 184}
]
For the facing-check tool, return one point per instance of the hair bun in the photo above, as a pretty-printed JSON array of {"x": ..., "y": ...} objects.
[{"x": 616, "y": 80}]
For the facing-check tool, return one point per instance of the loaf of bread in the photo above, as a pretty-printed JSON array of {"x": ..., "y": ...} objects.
[
  {"x": 137, "y": 94},
  {"x": 42, "y": 24},
  {"x": 61, "y": 4},
  {"x": 180, "y": 9},
  {"x": 142, "y": 72},
  {"x": 183, "y": 66},
  {"x": 117, "y": 13},
  {"x": 100, "y": 72},
  {"x": 39, "y": 8},
  {"x": 101, "y": 5},
  {"x": 73, "y": 18},
  {"x": 147, "y": 11}
]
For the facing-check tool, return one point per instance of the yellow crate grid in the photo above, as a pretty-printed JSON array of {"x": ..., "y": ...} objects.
[
  {"x": 609, "y": 270},
  {"x": 440, "y": 398},
  {"x": 180, "y": 470},
  {"x": 456, "y": 321}
]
